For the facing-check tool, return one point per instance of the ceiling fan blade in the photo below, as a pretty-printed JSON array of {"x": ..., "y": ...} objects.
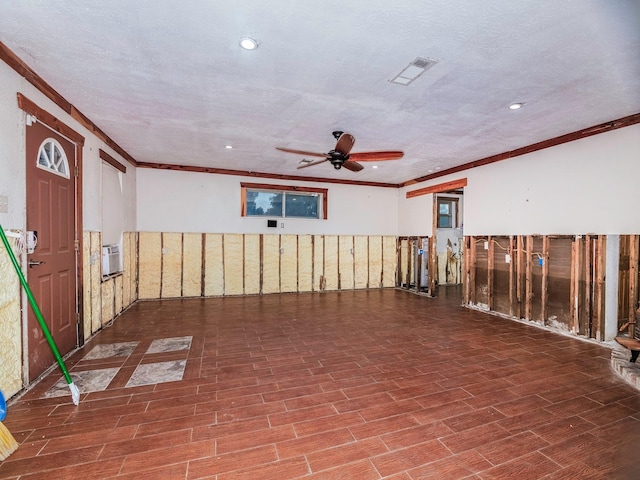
[
  {"x": 310, "y": 164},
  {"x": 376, "y": 156},
  {"x": 302, "y": 152},
  {"x": 353, "y": 166},
  {"x": 345, "y": 144}
]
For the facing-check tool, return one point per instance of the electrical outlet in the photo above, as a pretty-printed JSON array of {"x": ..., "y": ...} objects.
[
  {"x": 486, "y": 245},
  {"x": 282, "y": 225},
  {"x": 4, "y": 204},
  {"x": 507, "y": 258}
]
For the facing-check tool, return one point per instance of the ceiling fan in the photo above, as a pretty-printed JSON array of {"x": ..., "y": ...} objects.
[{"x": 340, "y": 156}]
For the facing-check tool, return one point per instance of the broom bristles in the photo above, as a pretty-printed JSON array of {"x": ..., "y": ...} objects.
[{"x": 8, "y": 444}]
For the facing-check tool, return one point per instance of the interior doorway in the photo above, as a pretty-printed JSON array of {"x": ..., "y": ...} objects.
[{"x": 447, "y": 224}]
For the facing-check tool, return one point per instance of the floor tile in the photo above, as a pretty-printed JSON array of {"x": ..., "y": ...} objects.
[
  {"x": 108, "y": 350},
  {"x": 152, "y": 373},
  {"x": 88, "y": 381}
]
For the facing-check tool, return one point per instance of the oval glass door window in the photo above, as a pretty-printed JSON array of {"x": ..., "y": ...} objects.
[{"x": 51, "y": 157}]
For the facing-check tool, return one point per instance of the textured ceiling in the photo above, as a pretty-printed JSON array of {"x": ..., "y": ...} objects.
[{"x": 169, "y": 83}]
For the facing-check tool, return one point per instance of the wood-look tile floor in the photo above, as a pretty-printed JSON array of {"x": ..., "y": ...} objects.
[{"x": 349, "y": 385}]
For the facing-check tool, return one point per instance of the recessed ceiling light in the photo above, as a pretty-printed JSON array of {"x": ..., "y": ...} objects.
[
  {"x": 438, "y": 168},
  {"x": 516, "y": 106},
  {"x": 429, "y": 171},
  {"x": 375, "y": 166},
  {"x": 229, "y": 147},
  {"x": 248, "y": 43}
]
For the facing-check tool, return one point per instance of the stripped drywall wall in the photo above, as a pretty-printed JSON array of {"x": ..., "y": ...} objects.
[
  {"x": 104, "y": 298},
  {"x": 250, "y": 264},
  {"x": 556, "y": 281}
]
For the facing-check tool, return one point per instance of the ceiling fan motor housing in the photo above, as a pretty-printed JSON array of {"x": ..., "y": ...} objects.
[{"x": 337, "y": 158}]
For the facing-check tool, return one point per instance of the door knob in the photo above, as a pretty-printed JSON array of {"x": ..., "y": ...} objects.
[{"x": 35, "y": 263}]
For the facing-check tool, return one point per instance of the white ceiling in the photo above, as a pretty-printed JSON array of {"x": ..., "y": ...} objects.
[{"x": 169, "y": 83}]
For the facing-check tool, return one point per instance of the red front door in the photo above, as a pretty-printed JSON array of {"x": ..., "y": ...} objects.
[{"x": 51, "y": 271}]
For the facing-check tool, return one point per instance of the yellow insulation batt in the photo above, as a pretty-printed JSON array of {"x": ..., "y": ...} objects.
[
  {"x": 288, "y": 263},
  {"x": 213, "y": 265},
  {"x": 305, "y": 263},
  {"x": 271, "y": 264},
  {"x": 171, "y": 265},
  {"x": 251, "y": 264},
  {"x": 233, "y": 264},
  {"x": 191, "y": 264},
  {"x": 149, "y": 264}
]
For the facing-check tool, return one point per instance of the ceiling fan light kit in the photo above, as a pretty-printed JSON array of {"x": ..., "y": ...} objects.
[{"x": 341, "y": 155}]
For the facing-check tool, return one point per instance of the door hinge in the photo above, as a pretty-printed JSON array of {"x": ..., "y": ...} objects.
[
  {"x": 76, "y": 171},
  {"x": 77, "y": 245}
]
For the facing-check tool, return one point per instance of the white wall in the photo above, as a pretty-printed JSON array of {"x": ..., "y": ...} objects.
[
  {"x": 586, "y": 186},
  {"x": 173, "y": 201},
  {"x": 415, "y": 215}
]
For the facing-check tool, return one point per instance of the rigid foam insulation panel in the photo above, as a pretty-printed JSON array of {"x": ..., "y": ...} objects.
[
  {"x": 96, "y": 281},
  {"x": 10, "y": 324},
  {"x": 233, "y": 264},
  {"x": 289, "y": 263},
  {"x": 375, "y": 262},
  {"x": 191, "y": 264},
  {"x": 252, "y": 264},
  {"x": 361, "y": 261},
  {"x": 331, "y": 262},
  {"x": 389, "y": 259},
  {"x": 305, "y": 263},
  {"x": 270, "y": 263},
  {"x": 213, "y": 265},
  {"x": 345, "y": 261},
  {"x": 149, "y": 264},
  {"x": 86, "y": 284},
  {"x": 107, "y": 288},
  {"x": 171, "y": 265},
  {"x": 318, "y": 262}
]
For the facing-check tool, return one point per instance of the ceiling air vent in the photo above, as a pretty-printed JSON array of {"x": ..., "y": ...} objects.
[{"x": 413, "y": 71}]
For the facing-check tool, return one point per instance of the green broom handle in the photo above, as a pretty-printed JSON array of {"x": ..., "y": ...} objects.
[{"x": 36, "y": 309}]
